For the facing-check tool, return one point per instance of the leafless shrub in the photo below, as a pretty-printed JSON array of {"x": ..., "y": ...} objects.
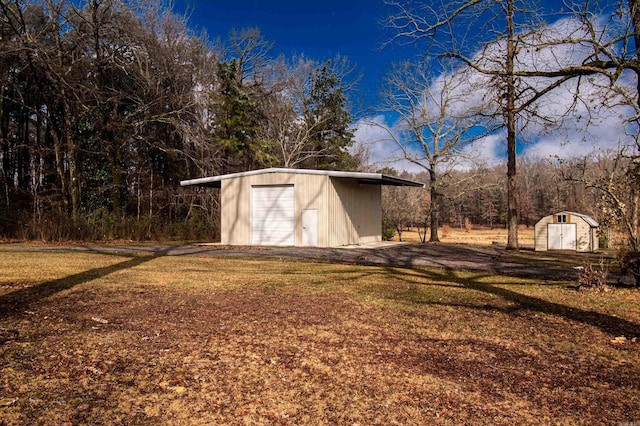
[{"x": 593, "y": 276}]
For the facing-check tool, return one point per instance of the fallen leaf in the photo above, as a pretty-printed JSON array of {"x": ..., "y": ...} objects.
[
  {"x": 8, "y": 402},
  {"x": 177, "y": 389}
]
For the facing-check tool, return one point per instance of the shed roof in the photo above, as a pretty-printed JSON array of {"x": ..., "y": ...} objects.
[
  {"x": 591, "y": 221},
  {"x": 364, "y": 178}
]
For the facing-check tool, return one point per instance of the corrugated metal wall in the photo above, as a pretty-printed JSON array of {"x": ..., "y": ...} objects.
[
  {"x": 354, "y": 212},
  {"x": 310, "y": 193},
  {"x": 348, "y": 213}
]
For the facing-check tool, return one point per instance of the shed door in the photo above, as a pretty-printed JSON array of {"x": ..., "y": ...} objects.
[
  {"x": 561, "y": 236},
  {"x": 310, "y": 227},
  {"x": 273, "y": 215}
]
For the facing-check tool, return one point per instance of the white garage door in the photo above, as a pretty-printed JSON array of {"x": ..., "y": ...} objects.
[
  {"x": 273, "y": 215},
  {"x": 561, "y": 236}
]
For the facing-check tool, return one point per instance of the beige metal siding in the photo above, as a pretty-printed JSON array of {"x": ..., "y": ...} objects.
[
  {"x": 354, "y": 213},
  {"x": 348, "y": 212},
  {"x": 310, "y": 193},
  {"x": 235, "y": 218},
  {"x": 339, "y": 227},
  {"x": 369, "y": 214}
]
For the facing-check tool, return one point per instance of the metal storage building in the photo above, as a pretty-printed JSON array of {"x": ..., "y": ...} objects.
[
  {"x": 567, "y": 231},
  {"x": 297, "y": 207}
]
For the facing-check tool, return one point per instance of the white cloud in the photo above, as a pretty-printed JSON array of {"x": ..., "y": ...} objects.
[
  {"x": 489, "y": 150},
  {"x": 597, "y": 121},
  {"x": 377, "y": 135}
]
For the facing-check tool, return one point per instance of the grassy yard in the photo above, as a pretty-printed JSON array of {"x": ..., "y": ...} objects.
[
  {"x": 110, "y": 339},
  {"x": 477, "y": 236}
]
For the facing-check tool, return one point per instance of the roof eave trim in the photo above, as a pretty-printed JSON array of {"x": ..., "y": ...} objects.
[
  {"x": 212, "y": 181},
  {"x": 372, "y": 178}
]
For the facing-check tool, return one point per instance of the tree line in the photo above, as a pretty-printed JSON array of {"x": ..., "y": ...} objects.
[
  {"x": 107, "y": 104},
  {"x": 477, "y": 196}
]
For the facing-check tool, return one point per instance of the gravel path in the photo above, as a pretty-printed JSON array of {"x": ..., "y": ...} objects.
[{"x": 493, "y": 259}]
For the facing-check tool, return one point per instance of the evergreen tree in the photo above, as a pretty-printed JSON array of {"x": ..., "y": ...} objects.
[
  {"x": 326, "y": 114},
  {"x": 238, "y": 118}
]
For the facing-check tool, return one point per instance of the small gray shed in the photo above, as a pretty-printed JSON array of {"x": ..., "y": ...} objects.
[
  {"x": 296, "y": 207},
  {"x": 567, "y": 231}
]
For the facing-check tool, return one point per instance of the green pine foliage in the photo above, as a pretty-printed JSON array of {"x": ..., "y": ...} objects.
[{"x": 330, "y": 120}]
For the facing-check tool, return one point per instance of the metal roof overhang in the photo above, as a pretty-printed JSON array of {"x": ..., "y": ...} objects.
[
  {"x": 363, "y": 178},
  {"x": 206, "y": 182},
  {"x": 391, "y": 181}
]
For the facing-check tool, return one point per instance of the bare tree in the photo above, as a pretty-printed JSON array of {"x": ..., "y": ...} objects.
[
  {"x": 60, "y": 68},
  {"x": 434, "y": 122},
  {"x": 401, "y": 207},
  {"x": 607, "y": 174},
  {"x": 465, "y": 190},
  {"x": 250, "y": 49},
  {"x": 108, "y": 99},
  {"x": 286, "y": 127},
  {"x": 306, "y": 115},
  {"x": 510, "y": 25}
]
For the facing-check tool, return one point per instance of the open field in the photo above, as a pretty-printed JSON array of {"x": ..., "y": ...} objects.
[
  {"x": 477, "y": 236},
  {"x": 108, "y": 338}
]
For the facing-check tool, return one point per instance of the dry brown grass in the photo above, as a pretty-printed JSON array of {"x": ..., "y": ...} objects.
[
  {"x": 106, "y": 339},
  {"x": 477, "y": 236}
]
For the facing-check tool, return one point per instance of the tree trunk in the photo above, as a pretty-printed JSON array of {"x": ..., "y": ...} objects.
[
  {"x": 116, "y": 181},
  {"x": 72, "y": 160},
  {"x": 635, "y": 196},
  {"x": 73, "y": 184},
  {"x": 62, "y": 174},
  {"x": 635, "y": 224},
  {"x": 510, "y": 112},
  {"x": 74, "y": 179},
  {"x": 433, "y": 177},
  {"x": 4, "y": 146}
]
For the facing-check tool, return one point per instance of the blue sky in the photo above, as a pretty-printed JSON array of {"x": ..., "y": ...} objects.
[
  {"x": 323, "y": 29},
  {"x": 319, "y": 29}
]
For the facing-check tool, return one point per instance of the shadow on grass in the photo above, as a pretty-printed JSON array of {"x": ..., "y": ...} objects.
[
  {"x": 607, "y": 323},
  {"x": 390, "y": 260},
  {"x": 20, "y": 300}
]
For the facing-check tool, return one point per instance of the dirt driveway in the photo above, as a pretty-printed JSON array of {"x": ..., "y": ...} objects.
[{"x": 491, "y": 259}]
